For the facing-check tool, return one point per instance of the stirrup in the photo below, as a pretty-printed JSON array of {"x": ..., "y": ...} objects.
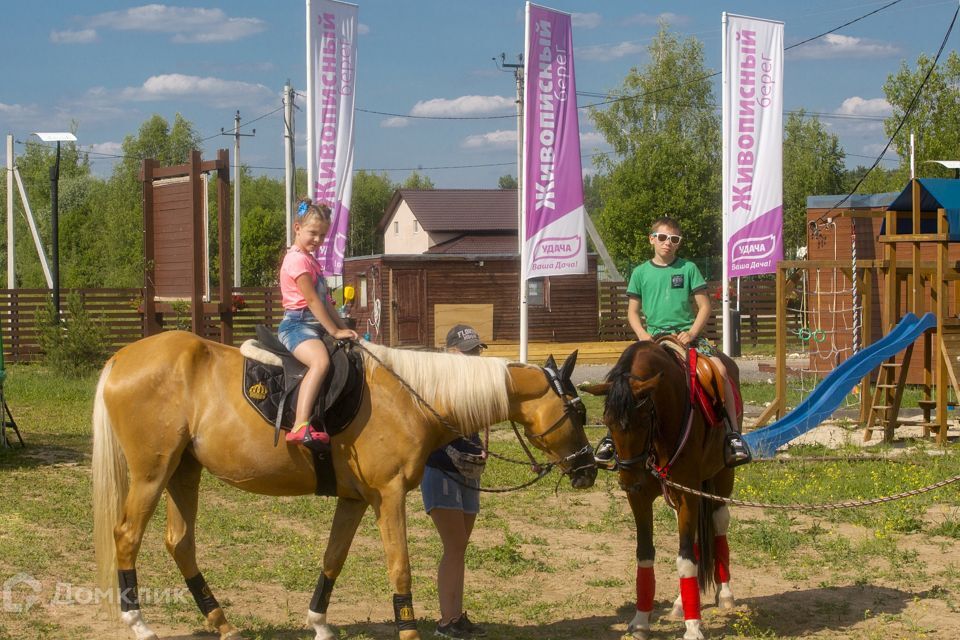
[{"x": 735, "y": 450}]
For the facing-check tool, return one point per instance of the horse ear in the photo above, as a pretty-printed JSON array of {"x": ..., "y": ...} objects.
[
  {"x": 568, "y": 365},
  {"x": 598, "y": 389},
  {"x": 550, "y": 363},
  {"x": 643, "y": 386}
]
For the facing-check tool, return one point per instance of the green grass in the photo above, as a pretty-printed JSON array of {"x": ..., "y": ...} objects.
[{"x": 545, "y": 563}]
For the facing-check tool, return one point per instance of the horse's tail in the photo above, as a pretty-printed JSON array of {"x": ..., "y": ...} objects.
[
  {"x": 110, "y": 485},
  {"x": 706, "y": 531}
]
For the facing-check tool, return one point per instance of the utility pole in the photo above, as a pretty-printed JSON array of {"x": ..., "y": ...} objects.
[
  {"x": 288, "y": 156},
  {"x": 236, "y": 193},
  {"x": 11, "y": 245}
]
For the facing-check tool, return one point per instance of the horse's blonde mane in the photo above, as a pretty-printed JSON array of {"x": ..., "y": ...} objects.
[{"x": 472, "y": 390}]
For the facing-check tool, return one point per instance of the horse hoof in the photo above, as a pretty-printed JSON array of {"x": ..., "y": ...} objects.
[
  {"x": 638, "y": 634},
  {"x": 726, "y": 603}
]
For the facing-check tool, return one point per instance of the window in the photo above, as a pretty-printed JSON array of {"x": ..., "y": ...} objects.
[
  {"x": 416, "y": 226},
  {"x": 362, "y": 286},
  {"x": 396, "y": 228},
  {"x": 536, "y": 293}
]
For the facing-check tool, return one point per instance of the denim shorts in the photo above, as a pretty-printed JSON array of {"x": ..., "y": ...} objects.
[
  {"x": 297, "y": 327},
  {"x": 445, "y": 490}
]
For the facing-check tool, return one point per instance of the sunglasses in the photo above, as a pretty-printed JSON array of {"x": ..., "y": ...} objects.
[{"x": 662, "y": 237}]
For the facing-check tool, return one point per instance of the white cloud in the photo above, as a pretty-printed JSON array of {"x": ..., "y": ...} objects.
[
  {"x": 462, "y": 106},
  {"x": 586, "y": 20},
  {"x": 592, "y": 139},
  {"x": 499, "y": 139},
  {"x": 607, "y": 52},
  {"x": 363, "y": 29},
  {"x": 67, "y": 36},
  {"x": 834, "y": 45},
  {"x": 176, "y": 86},
  {"x": 187, "y": 25},
  {"x": 857, "y": 106},
  {"x": 674, "y": 19},
  {"x": 108, "y": 148},
  {"x": 394, "y": 123},
  {"x": 16, "y": 112}
]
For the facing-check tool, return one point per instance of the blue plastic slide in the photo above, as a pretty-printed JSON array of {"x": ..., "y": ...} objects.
[{"x": 832, "y": 390}]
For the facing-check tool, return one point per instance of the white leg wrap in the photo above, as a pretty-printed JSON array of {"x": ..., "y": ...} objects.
[
  {"x": 640, "y": 622},
  {"x": 693, "y": 630},
  {"x": 686, "y": 568},
  {"x": 721, "y": 520},
  {"x": 319, "y": 623},
  {"x": 134, "y": 620}
]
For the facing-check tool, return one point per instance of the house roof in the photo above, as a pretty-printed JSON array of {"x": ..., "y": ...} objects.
[
  {"x": 478, "y": 244},
  {"x": 935, "y": 193},
  {"x": 457, "y": 210}
]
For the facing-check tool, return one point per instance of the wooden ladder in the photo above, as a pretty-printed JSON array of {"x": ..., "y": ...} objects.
[{"x": 887, "y": 395}]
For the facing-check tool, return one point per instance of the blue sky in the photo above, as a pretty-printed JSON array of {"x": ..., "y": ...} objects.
[{"x": 108, "y": 66}]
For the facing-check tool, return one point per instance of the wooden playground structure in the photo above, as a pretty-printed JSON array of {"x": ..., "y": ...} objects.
[{"x": 918, "y": 272}]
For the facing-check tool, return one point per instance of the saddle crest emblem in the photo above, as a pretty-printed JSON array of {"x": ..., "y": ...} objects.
[{"x": 257, "y": 391}]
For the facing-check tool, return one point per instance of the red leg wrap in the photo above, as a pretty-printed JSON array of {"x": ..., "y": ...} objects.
[
  {"x": 690, "y": 596},
  {"x": 721, "y": 563},
  {"x": 646, "y": 586}
]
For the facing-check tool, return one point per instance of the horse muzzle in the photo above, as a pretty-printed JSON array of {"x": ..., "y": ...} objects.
[{"x": 583, "y": 470}]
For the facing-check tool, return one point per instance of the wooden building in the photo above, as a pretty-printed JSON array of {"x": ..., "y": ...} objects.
[{"x": 451, "y": 256}]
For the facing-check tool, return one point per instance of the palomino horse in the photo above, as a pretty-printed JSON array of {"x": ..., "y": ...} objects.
[
  {"x": 169, "y": 405},
  {"x": 655, "y": 429}
]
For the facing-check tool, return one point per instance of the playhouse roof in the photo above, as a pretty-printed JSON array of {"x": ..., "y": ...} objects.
[{"x": 935, "y": 193}]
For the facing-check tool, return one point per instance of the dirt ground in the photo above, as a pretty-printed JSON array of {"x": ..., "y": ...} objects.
[{"x": 588, "y": 590}]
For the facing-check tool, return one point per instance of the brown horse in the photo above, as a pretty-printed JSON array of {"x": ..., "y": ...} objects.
[
  {"x": 170, "y": 405},
  {"x": 656, "y": 431}
]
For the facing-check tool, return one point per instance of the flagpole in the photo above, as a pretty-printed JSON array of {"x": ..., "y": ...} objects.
[
  {"x": 521, "y": 191},
  {"x": 725, "y": 277},
  {"x": 311, "y": 124}
]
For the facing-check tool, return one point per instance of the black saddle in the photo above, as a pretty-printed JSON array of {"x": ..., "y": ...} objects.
[{"x": 273, "y": 390}]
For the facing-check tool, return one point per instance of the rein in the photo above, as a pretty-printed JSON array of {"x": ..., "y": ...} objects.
[{"x": 540, "y": 469}]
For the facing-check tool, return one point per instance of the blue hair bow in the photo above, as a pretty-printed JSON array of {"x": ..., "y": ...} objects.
[{"x": 302, "y": 209}]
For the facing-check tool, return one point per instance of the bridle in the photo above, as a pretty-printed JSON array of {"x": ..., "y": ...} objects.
[
  {"x": 648, "y": 456},
  {"x": 573, "y": 407}
]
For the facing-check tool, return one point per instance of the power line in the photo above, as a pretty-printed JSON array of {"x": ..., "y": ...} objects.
[{"x": 906, "y": 115}]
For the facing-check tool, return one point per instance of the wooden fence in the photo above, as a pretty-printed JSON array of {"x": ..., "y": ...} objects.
[
  {"x": 758, "y": 312},
  {"x": 120, "y": 311}
]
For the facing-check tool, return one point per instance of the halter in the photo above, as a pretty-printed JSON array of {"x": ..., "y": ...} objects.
[{"x": 649, "y": 456}]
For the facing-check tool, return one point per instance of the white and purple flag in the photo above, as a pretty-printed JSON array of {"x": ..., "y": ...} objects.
[
  {"x": 553, "y": 212},
  {"x": 331, "y": 80},
  {"x": 752, "y": 145}
]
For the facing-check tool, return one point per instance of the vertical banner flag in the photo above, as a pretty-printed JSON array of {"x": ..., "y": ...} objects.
[
  {"x": 752, "y": 145},
  {"x": 331, "y": 80},
  {"x": 553, "y": 212}
]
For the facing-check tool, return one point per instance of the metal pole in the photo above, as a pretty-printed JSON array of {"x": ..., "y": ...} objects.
[
  {"x": 11, "y": 262},
  {"x": 725, "y": 270},
  {"x": 289, "y": 170},
  {"x": 522, "y": 228},
  {"x": 55, "y": 232},
  {"x": 311, "y": 105},
  {"x": 236, "y": 201}
]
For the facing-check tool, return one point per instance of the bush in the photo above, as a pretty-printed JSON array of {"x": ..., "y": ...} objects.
[{"x": 75, "y": 346}]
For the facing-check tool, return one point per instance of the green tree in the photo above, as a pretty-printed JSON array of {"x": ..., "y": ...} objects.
[
  {"x": 665, "y": 132},
  {"x": 934, "y": 120},
  {"x": 812, "y": 164},
  {"x": 371, "y": 195},
  {"x": 417, "y": 181},
  {"x": 262, "y": 229},
  {"x": 507, "y": 181}
]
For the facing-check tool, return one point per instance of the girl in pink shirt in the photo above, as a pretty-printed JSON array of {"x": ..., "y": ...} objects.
[{"x": 308, "y": 316}]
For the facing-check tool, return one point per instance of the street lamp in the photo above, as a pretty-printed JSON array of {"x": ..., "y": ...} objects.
[{"x": 57, "y": 137}]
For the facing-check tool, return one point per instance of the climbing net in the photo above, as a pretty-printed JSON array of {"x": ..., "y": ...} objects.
[{"x": 822, "y": 326}]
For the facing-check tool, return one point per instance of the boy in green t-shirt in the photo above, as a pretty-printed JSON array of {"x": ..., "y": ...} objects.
[{"x": 663, "y": 288}]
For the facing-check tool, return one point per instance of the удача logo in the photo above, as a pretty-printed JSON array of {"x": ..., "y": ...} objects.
[
  {"x": 754, "y": 248},
  {"x": 557, "y": 248}
]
